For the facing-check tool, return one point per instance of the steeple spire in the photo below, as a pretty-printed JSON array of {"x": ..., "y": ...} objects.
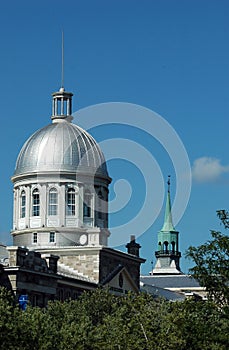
[
  {"x": 168, "y": 221},
  {"x": 167, "y": 254}
]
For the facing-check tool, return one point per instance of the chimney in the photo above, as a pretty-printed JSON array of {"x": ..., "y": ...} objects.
[
  {"x": 52, "y": 262},
  {"x": 133, "y": 247}
]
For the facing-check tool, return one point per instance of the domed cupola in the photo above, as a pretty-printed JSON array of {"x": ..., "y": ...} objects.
[
  {"x": 61, "y": 146},
  {"x": 60, "y": 184}
]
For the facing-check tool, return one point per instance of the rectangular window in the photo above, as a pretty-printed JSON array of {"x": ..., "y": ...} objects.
[
  {"x": 52, "y": 237},
  {"x": 35, "y": 237}
]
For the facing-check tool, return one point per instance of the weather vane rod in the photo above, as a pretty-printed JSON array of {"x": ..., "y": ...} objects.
[
  {"x": 168, "y": 182},
  {"x": 62, "y": 63}
]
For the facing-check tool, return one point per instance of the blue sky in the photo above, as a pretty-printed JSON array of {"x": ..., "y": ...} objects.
[{"x": 170, "y": 56}]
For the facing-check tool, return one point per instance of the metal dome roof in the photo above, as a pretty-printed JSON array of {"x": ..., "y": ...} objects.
[{"x": 61, "y": 147}]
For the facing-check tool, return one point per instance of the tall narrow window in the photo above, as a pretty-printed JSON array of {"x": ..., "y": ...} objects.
[
  {"x": 166, "y": 246},
  {"x": 100, "y": 205},
  {"x": 36, "y": 203},
  {"x": 35, "y": 237},
  {"x": 53, "y": 202},
  {"x": 23, "y": 204},
  {"x": 87, "y": 204},
  {"x": 71, "y": 202},
  {"x": 51, "y": 237}
]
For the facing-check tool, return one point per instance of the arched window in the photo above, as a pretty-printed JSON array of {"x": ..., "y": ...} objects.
[
  {"x": 173, "y": 244},
  {"x": 36, "y": 203},
  {"x": 87, "y": 204},
  {"x": 53, "y": 202},
  {"x": 166, "y": 246},
  {"x": 71, "y": 201},
  {"x": 23, "y": 204}
]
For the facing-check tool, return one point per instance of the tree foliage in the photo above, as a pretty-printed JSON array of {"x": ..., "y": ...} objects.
[
  {"x": 101, "y": 321},
  {"x": 212, "y": 263}
]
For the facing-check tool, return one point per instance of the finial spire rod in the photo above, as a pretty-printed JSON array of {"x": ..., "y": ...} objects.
[
  {"x": 168, "y": 182},
  {"x": 62, "y": 63}
]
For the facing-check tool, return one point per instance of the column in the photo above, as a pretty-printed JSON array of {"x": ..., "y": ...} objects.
[
  {"x": 62, "y": 106},
  {"x": 68, "y": 109}
]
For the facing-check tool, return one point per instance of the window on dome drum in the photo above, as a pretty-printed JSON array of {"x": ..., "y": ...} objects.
[
  {"x": 53, "y": 202},
  {"x": 52, "y": 237},
  {"x": 36, "y": 203},
  {"x": 87, "y": 204},
  {"x": 23, "y": 204},
  {"x": 100, "y": 205},
  {"x": 35, "y": 237},
  {"x": 71, "y": 202}
]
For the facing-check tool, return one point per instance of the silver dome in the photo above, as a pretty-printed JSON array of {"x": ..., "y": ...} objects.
[{"x": 63, "y": 147}]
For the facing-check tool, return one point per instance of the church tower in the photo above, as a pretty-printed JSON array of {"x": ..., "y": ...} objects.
[{"x": 167, "y": 254}]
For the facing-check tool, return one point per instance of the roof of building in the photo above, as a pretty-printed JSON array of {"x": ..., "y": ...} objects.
[
  {"x": 61, "y": 147},
  {"x": 161, "y": 293},
  {"x": 68, "y": 271},
  {"x": 111, "y": 275},
  {"x": 171, "y": 281}
]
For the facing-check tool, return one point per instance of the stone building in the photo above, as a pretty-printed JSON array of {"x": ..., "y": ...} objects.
[{"x": 60, "y": 216}]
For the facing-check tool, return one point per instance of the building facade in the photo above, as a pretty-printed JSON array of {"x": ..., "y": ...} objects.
[{"x": 60, "y": 217}]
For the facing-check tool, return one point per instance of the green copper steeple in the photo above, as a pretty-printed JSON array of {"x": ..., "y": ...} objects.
[
  {"x": 168, "y": 221},
  {"x": 167, "y": 254}
]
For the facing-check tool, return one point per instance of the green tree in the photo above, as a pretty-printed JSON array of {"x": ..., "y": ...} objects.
[
  {"x": 211, "y": 260},
  {"x": 200, "y": 325},
  {"x": 101, "y": 321},
  {"x": 6, "y": 318}
]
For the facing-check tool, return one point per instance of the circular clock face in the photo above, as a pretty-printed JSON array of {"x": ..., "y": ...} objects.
[{"x": 83, "y": 239}]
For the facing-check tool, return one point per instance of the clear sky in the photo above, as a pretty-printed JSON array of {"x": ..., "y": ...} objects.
[{"x": 170, "y": 56}]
